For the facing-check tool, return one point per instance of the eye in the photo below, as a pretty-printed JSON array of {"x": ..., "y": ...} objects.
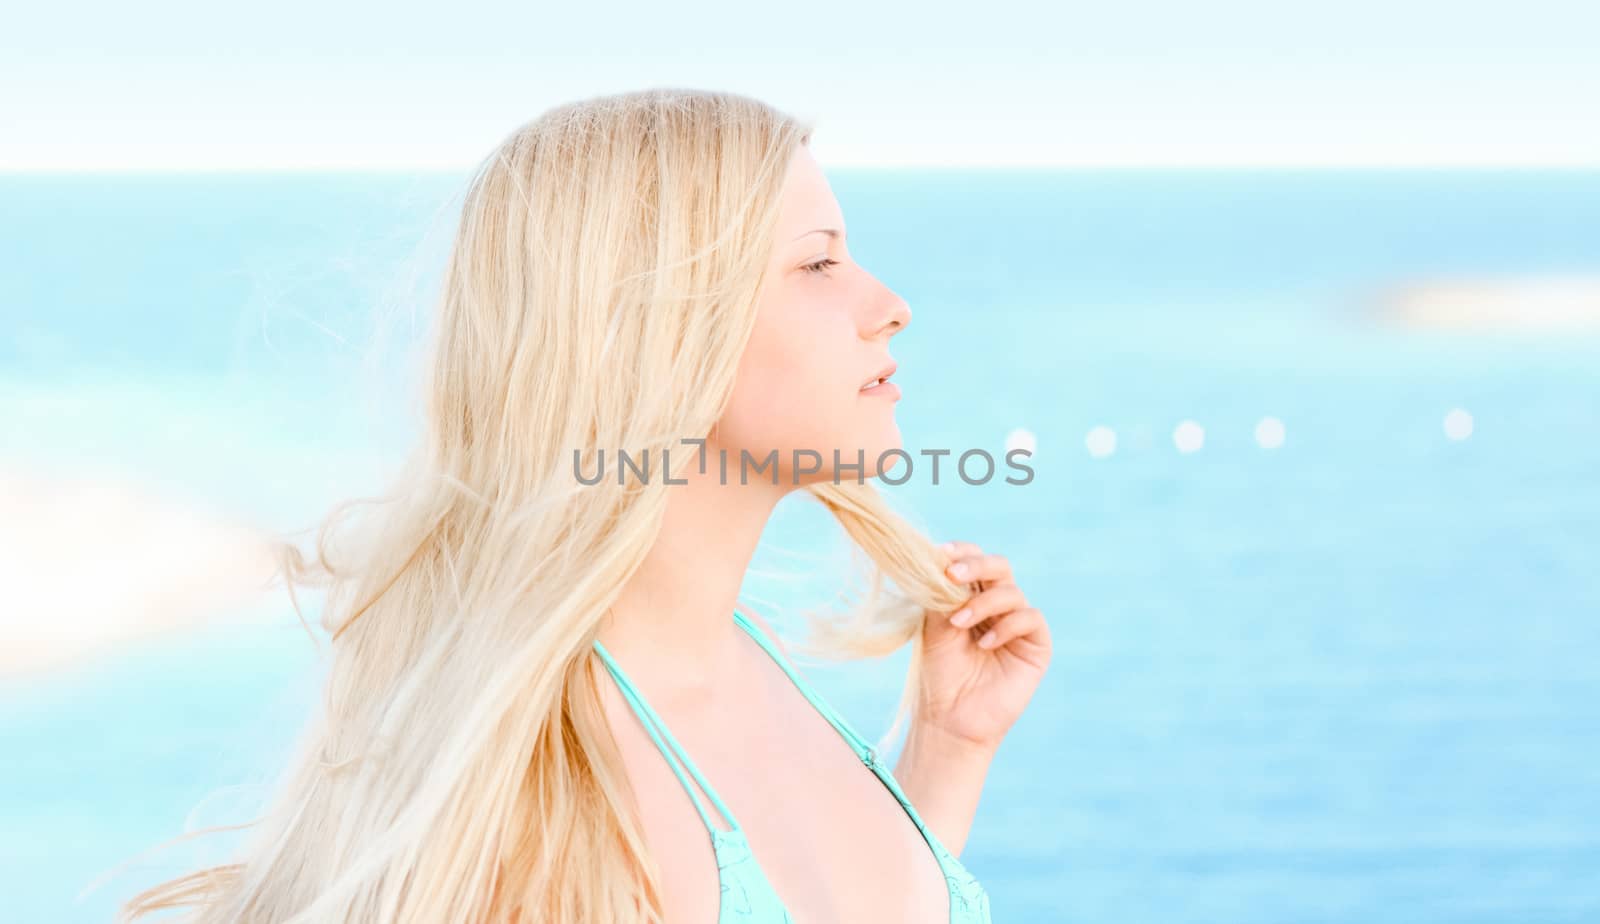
[{"x": 820, "y": 266}]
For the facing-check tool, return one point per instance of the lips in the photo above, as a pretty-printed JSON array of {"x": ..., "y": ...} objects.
[{"x": 881, "y": 377}]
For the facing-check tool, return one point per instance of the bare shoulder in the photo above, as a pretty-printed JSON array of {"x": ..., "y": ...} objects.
[{"x": 765, "y": 627}]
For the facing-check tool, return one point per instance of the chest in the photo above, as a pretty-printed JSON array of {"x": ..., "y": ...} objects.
[{"x": 827, "y": 834}]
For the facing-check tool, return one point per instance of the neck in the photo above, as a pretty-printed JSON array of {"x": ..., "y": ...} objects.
[{"x": 674, "y": 616}]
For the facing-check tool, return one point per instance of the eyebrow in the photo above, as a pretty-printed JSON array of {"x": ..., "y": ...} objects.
[{"x": 834, "y": 233}]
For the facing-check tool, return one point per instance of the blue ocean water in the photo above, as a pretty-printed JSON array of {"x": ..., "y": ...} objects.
[{"x": 1353, "y": 678}]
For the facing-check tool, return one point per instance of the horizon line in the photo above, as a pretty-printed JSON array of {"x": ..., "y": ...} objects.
[{"x": 849, "y": 164}]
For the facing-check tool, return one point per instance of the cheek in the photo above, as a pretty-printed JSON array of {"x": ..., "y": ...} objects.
[{"x": 793, "y": 388}]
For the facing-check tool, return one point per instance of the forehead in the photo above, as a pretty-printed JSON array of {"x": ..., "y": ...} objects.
[{"x": 808, "y": 201}]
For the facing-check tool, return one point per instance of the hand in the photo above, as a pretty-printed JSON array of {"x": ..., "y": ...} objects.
[{"x": 981, "y": 663}]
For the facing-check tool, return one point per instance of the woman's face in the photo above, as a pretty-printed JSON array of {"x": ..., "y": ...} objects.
[{"x": 822, "y": 332}]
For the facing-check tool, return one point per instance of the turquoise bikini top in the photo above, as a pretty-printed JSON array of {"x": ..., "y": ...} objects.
[{"x": 747, "y": 895}]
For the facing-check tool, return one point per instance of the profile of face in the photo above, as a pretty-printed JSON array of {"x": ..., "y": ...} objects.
[{"x": 807, "y": 379}]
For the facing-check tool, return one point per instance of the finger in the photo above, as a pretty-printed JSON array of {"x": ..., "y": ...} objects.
[
  {"x": 991, "y": 569},
  {"x": 995, "y": 601},
  {"x": 957, "y": 550},
  {"x": 1013, "y": 625}
]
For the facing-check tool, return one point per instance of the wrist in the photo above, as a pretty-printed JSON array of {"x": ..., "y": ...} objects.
[{"x": 935, "y": 742}]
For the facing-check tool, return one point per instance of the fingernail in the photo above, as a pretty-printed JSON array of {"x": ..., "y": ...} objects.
[
  {"x": 962, "y": 617},
  {"x": 987, "y": 640},
  {"x": 948, "y": 547},
  {"x": 959, "y": 572}
]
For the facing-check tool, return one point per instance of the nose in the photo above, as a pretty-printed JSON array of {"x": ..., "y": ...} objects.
[{"x": 895, "y": 316}]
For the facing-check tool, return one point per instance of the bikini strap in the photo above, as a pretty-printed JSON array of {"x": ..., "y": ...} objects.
[
  {"x": 860, "y": 745},
  {"x": 670, "y": 749}
]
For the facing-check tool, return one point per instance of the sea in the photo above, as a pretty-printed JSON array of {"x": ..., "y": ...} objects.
[{"x": 1323, "y": 587}]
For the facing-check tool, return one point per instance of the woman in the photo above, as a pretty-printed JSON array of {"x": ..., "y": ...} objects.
[{"x": 526, "y": 656}]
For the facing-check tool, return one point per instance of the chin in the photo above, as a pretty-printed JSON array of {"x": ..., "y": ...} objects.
[
  {"x": 872, "y": 441},
  {"x": 874, "y": 450},
  {"x": 894, "y": 466}
]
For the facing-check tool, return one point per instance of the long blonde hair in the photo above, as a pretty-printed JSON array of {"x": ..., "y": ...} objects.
[{"x": 601, "y": 287}]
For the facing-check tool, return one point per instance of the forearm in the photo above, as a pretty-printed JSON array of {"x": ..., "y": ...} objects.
[{"x": 943, "y": 777}]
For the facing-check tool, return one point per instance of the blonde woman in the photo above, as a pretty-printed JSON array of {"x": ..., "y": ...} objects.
[{"x": 545, "y": 703}]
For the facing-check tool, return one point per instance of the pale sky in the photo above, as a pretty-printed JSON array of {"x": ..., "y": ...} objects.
[{"x": 294, "y": 84}]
